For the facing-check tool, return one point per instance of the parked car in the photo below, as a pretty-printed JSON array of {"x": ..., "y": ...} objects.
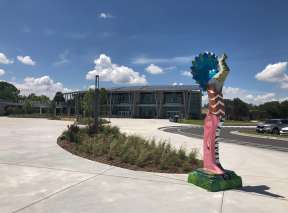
[
  {"x": 274, "y": 126},
  {"x": 174, "y": 118}
]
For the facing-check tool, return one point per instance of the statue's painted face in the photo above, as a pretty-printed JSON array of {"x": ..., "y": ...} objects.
[{"x": 212, "y": 73}]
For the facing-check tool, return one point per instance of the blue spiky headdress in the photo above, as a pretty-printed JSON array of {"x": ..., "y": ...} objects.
[{"x": 203, "y": 68}]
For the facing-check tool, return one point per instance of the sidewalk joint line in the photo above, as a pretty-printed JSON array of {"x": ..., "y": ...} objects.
[
  {"x": 222, "y": 200},
  {"x": 144, "y": 179},
  {"x": 54, "y": 193},
  {"x": 56, "y": 169},
  {"x": 62, "y": 190}
]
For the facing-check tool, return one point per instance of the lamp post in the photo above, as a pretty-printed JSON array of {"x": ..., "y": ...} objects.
[{"x": 96, "y": 105}]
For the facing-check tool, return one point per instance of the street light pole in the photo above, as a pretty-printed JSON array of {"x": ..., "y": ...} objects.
[{"x": 96, "y": 104}]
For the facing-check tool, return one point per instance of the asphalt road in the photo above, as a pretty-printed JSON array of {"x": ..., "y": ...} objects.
[{"x": 227, "y": 137}]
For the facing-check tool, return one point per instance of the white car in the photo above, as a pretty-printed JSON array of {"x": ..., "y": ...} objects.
[{"x": 284, "y": 130}]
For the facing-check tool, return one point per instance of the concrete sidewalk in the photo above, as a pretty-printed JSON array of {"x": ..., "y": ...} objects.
[{"x": 36, "y": 175}]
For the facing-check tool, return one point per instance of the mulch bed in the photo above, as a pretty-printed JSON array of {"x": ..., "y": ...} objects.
[{"x": 71, "y": 147}]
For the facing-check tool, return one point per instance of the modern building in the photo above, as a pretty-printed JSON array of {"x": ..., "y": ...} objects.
[{"x": 146, "y": 101}]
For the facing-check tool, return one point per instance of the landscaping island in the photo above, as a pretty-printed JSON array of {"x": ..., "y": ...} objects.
[{"x": 112, "y": 147}]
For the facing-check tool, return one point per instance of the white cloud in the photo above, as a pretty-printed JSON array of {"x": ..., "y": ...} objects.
[
  {"x": 26, "y": 60},
  {"x": 154, "y": 69},
  {"x": 108, "y": 71},
  {"x": 40, "y": 86},
  {"x": 186, "y": 73},
  {"x": 170, "y": 68},
  {"x": 4, "y": 59},
  {"x": 204, "y": 99},
  {"x": 173, "y": 60},
  {"x": 177, "y": 84},
  {"x": 251, "y": 97},
  {"x": 62, "y": 58},
  {"x": 105, "y": 15},
  {"x": 275, "y": 73},
  {"x": 91, "y": 87},
  {"x": 2, "y": 72}
]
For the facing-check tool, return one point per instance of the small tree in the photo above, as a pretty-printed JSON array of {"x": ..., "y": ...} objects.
[
  {"x": 8, "y": 91},
  {"x": 27, "y": 107},
  {"x": 103, "y": 101},
  {"x": 59, "y": 97},
  {"x": 88, "y": 102}
]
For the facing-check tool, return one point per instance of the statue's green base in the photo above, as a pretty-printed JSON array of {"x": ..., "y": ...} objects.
[{"x": 214, "y": 182}]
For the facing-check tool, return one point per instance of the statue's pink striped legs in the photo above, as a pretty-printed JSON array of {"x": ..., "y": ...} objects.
[{"x": 209, "y": 160}]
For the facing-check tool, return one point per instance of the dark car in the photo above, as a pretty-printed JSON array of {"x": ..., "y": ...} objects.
[
  {"x": 174, "y": 118},
  {"x": 274, "y": 126}
]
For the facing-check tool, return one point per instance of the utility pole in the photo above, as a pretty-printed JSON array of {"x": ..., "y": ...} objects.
[{"x": 96, "y": 105}]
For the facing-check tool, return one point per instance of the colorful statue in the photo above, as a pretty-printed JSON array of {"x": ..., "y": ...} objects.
[{"x": 210, "y": 73}]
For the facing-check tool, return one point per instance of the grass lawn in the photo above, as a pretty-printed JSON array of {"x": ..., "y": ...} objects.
[
  {"x": 226, "y": 123},
  {"x": 253, "y": 132}
]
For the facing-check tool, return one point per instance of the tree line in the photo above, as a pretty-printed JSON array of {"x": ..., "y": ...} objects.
[
  {"x": 8, "y": 92},
  {"x": 236, "y": 109}
]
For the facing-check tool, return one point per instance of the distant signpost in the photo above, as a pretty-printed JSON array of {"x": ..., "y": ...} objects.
[{"x": 96, "y": 105}]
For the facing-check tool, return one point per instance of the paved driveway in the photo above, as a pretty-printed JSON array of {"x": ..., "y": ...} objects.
[
  {"x": 231, "y": 135},
  {"x": 36, "y": 175}
]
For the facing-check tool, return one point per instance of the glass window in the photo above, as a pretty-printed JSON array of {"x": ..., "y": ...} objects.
[
  {"x": 173, "y": 98},
  {"x": 272, "y": 121},
  {"x": 147, "y": 98}
]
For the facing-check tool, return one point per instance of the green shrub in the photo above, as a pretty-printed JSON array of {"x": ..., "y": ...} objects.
[
  {"x": 130, "y": 150},
  {"x": 72, "y": 133},
  {"x": 90, "y": 121}
]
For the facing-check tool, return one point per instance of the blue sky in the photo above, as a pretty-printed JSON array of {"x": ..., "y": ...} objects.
[{"x": 64, "y": 37}]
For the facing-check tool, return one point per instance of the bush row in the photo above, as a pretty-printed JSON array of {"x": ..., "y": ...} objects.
[{"x": 121, "y": 149}]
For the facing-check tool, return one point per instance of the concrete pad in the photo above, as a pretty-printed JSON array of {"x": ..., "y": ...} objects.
[
  {"x": 26, "y": 153},
  {"x": 36, "y": 175},
  {"x": 67, "y": 161},
  {"x": 141, "y": 175},
  {"x": 250, "y": 203},
  {"x": 21, "y": 186},
  {"x": 271, "y": 187},
  {"x": 113, "y": 194}
]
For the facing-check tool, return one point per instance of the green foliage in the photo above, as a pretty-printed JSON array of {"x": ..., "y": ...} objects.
[
  {"x": 88, "y": 103},
  {"x": 132, "y": 150},
  {"x": 72, "y": 133},
  {"x": 90, "y": 120},
  {"x": 12, "y": 110},
  {"x": 27, "y": 107},
  {"x": 34, "y": 98},
  {"x": 236, "y": 109},
  {"x": 59, "y": 97},
  {"x": 8, "y": 91}
]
